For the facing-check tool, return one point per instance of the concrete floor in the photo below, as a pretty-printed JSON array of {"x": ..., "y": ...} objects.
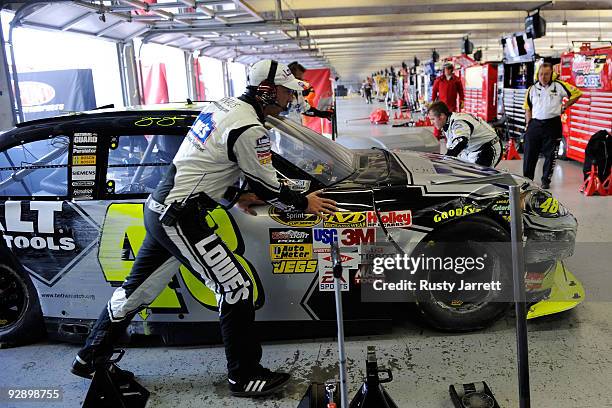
[{"x": 570, "y": 353}]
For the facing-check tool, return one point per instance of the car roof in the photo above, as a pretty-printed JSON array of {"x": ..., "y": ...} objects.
[
  {"x": 138, "y": 109},
  {"x": 31, "y": 130}
]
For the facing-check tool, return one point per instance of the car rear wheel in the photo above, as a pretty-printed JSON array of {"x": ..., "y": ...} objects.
[
  {"x": 475, "y": 236},
  {"x": 20, "y": 315}
]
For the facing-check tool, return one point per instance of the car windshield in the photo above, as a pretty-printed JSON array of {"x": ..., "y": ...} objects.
[{"x": 323, "y": 159}]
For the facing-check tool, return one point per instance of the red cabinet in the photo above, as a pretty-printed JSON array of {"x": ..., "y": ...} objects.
[
  {"x": 591, "y": 71},
  {"x": 480, "y": 86}
]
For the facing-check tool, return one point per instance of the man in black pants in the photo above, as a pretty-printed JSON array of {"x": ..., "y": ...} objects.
[
  {"x": 543, "y": 108},
  {"x": 226, "y": 142}
]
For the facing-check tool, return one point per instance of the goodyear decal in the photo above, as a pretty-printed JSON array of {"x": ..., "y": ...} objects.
[
  {"x": 455, "y": 213},
  {"x": 293, "y": 219},
  {"x": 309, "y": 266},
  {"x": 290, "y": 251},
  {"x": 346, "y": 220}
]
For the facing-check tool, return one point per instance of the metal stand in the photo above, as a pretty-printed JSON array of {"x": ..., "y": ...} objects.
[
  {"x": 337, "y": 269},
  {"x": 518, "y": 272},
  {"x": 372, "y": 394},
  {"x": 109, "y": 389}
]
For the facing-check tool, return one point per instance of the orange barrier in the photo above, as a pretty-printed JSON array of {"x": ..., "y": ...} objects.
[{"x": 592, "y": 185}]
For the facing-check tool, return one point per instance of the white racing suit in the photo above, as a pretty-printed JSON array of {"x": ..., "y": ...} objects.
[
  {"x": 226, "y": 142},
  {"x": 473, "y": 140}
]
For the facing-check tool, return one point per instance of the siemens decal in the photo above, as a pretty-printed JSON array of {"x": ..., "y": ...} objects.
[{"x": 31, "y": 225}]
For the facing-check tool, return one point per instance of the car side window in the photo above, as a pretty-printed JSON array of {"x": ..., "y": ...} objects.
[
  {"x": 137, "y": 163},
  {"x": 35, "y": 169}
]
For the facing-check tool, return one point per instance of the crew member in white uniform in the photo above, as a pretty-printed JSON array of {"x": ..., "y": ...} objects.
[
  {"x": 303, "y": 101},
  {"x": 543, "y": 108},
  {"x": 468, "y": 137},
  {"x": 226, "y": 142}
]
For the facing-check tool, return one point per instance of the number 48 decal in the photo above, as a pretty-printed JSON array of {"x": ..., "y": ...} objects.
[{"x": 550, "y": 206}]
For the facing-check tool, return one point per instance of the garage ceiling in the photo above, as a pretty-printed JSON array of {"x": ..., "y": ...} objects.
[{"x": 352, "y": 36}]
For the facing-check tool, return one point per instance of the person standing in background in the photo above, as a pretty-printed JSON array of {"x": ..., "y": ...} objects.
[{"x": 446, "y": 88}]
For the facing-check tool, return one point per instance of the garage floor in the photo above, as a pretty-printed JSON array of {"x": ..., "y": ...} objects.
[{"x": 570, "y": 353}]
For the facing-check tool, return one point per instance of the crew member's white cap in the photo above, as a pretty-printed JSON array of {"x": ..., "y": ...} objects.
[{"x": 259, "y": 71}]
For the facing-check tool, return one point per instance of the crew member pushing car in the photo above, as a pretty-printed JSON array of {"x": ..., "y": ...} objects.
[
  {"x": 468, "y": 137},
  {"x": 227, "y": 142}
]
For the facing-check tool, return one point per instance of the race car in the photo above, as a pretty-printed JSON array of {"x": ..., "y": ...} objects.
[{"x": 72, "y": 190}]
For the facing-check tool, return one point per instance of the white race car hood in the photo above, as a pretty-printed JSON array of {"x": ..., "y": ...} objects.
[{"x": 438, "y": 172}]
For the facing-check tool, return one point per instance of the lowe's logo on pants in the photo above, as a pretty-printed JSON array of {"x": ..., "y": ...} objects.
[{"x": 229, "y": 277}]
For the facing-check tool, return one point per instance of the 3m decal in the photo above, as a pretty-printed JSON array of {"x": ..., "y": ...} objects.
[
  {"x": 122, "y": 237},
  {"x": 290, "y": 252},
  {"x": 203, "y": 126},
  {"x": 350, "y": 237},
  {"x": 293, "y": 219},
  {"x": 290, "y": 236},
  {"x": 48, "y": 237},
  {"x": 346, "y": 219},
  {"x": 294, "y": 267},
  {"x": 455, "y": 212},
  {"x": 390, "y": 219},
  {"x": 347, "y": 237}
]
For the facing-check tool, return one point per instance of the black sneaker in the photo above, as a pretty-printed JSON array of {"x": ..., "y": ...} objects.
[
  {"x": 262, "y": 383},
  {"x": 86, "y": 369},
  {"x": 545, "y": 186}
]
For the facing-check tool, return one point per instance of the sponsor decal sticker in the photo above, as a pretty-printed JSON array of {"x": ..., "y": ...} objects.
[
  {"x": 290, "y": 236},
  {"x": 290, "y": 251},
  {"x": 48, "y": 237},
  {"x": 346, "y": 220},
  {"x": 203, "y": 127},
  {"x": 84, "y": 173},
  {"x": 293, "y": 218},
  {"x": 350, "y": 260},
  {"x": 390, "y": 219},
  {"x": 347, "y": 237},
  {"x": 455, "y": 213},
  {"x": 294, "y": 267},
  {"x": 84, "y": 160}
]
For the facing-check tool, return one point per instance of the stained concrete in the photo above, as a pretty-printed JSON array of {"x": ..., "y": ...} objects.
[{"x": 570, "y": 353}]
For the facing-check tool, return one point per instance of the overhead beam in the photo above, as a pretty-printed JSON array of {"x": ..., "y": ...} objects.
[{"x": 437, "y": 7}]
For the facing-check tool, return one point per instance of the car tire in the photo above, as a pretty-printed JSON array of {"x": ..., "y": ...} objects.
[
  {"x": 456, "y": 315},
  {"x": 21, "y": 320}
]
